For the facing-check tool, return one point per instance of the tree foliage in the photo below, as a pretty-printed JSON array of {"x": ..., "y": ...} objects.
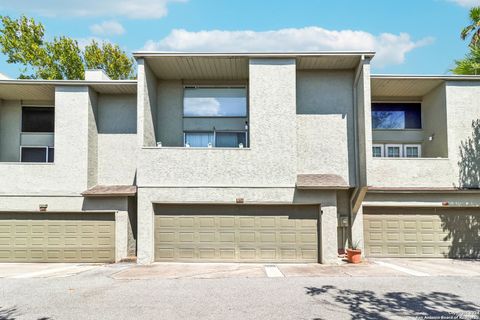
[
  {"x": 23, "y": 41},
  {"x": 470, "y": 64},
  {"x": 109, "y": 57},
  {"x": 473, "y": 28}
]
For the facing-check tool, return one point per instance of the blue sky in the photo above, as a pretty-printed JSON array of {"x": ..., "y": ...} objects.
[{"x": 409, "y": 36}]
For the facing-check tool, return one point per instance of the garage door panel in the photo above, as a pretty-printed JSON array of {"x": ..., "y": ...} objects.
[
  {"x": 422, "y": 232},
  {"x": 57, "y": 237},
  {"x": 235, "y": 233}
]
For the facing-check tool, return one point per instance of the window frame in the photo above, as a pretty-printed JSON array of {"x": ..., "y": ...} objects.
[
  {"x": 47, "y": 153},
  {"x": 214, "y": 142},
  {"x": 400, "y": 146},
  {"x": 418, "y": 146},
  {"x": 382, "y": 148}
]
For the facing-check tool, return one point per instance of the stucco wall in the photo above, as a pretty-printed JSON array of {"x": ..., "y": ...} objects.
[
  {"x": 461, "y": 167},
  {"x": 325, "y": 126},
  {"x": 146, "y": 196},
  {"x": 463, "y": 108},
  {"x": 422, "y": 199},
  {"x": 271, "y": 159},
  {"x": 117, "y": 139},
  {"x": 69, "y": 173},
  {"x": 10, "y": 128},
  {"x": 146, "y": 104},
  {"x": 434, "y": 120},
  {"x": 170, "y": 113}
]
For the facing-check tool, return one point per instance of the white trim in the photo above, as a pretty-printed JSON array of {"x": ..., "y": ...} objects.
[
  {"x": 418, "y": 146},
  {"x": 394, "y": 146},
  {"x": 382, "y": 150}
]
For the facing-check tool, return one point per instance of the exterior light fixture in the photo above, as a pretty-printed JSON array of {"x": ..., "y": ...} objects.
[{"x": 43, "y": 207}]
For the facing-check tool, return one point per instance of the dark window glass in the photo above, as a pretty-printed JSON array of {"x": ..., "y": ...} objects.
[
  {"x": 51, "y": 154},
  {"x": 230, "y": 139},
  {"x": 38, "y": 119},
  {"x": 34, "y": 154},
  {"x": 396, "y": 116}
]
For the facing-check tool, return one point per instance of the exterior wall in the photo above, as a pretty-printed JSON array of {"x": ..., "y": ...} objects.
[
  {"x": 434, "y": 118},
  {"x": 364, "y": 123},
  {"x": 463, "y": 114},
  {"x": 461, "y": 167},
  {"x": 170, "y": 113},
  {"x": 117, "y": 139},
  {"x": 69, "y": 173},
  {"x": 325, "y": 127},
  {"x": 92, "y": 143},
  {"x": 10, "y": 129},
  {"x": 146, "y": 197},
  {"x": 264, "y": 173},
  {"x": 146, "y": 105},
  {"x": 271, "y": 158},
  {"x": 419, "y": 199}
]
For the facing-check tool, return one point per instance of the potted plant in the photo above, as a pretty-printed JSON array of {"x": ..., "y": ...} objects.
[{"x": 354, "y": 254}]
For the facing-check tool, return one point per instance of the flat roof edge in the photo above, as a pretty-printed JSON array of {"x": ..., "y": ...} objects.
[
  {"x": 68, "y": 82},
  {"x": 424, "y": 77},
  {"x": 140, "y": 54}
]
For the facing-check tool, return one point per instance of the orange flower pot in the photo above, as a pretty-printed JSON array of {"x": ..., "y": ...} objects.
[{"x": 354, "y": 256}]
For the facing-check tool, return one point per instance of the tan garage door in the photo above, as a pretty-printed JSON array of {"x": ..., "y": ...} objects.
[
  {"x": 57, "y": 237},
  {"x": 232, "y": 233},
  {"x": 422, "y": 232}
]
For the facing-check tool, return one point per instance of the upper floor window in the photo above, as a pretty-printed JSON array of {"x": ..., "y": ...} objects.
[
  {"x": 215, "y": 102},
  {"x": 38, "y": 119},
  {"x": 396, "y": 116}
]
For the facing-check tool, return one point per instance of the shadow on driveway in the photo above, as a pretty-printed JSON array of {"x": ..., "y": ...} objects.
[{"x": 365, "y": 304}]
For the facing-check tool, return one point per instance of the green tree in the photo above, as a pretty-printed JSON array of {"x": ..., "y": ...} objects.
[
  {"x": 23, "y": 41},
  {"x": 473, "y": 28},
  {"x": 470, "y": 65},
  {"x": 110, "y": 58}
]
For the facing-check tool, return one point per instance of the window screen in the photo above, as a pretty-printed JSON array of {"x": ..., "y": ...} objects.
[{"x": 38, "y": 119}]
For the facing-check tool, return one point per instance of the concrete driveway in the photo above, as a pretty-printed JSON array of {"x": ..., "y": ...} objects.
[
  {"x": 130, "y": 271},
  {"x": 370, "y": 268},
  {"x": 379, "y": 289}
]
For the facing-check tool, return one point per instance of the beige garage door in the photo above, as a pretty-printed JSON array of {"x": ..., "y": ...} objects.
[
  {"x": 422, "y": 232},
  {"x": 232, "y": 233},
  {"x": 57, "y": 237}
]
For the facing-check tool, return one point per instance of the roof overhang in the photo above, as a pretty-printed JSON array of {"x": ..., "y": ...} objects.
[
  {"x": 421, "y": 190},
  {"x": 321, "y": 182},
  {"x": 20, "y": 89},
  {"x": 110, "y": 191},
  {"x": 410, "y": 86},
  {"x": 234, "y": 66}
]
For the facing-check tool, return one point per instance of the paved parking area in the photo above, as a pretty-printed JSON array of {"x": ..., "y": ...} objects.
[
  {"x": 370, "y": 268},
  {"x": 380, "y": 289},
  {"x": 131, "y": 271}
]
